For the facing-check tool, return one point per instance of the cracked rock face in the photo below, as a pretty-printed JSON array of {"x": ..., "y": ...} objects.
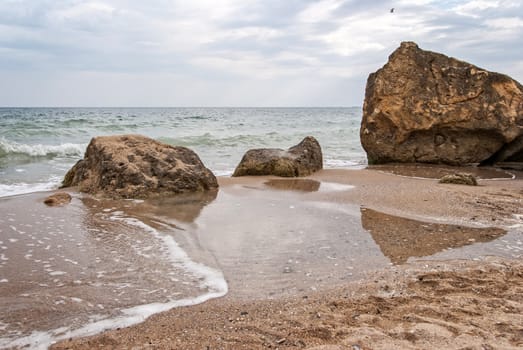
[
  {"x": 134, "y": 166},
  {"x": 429, "y": 108}
]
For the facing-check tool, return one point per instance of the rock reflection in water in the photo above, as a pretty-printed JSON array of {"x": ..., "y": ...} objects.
[
  {"x": 182, "y": 207},
  {"x": 301, "y": 185},
  {"x": 401, "y": 238}
]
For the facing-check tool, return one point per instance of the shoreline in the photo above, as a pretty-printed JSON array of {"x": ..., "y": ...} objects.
[
  {"x": 452, "y": 305},
  {"x": 335, "y": 198}
]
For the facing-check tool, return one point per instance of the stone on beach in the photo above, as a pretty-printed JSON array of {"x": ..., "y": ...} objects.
[
  {"x": 300, "y": 160},
  {"x": 429, "y": 108},
  {"x": 58, "y": 199},
  {"x": 135, "y": 166},
  {"x": 459, "y": 179}
]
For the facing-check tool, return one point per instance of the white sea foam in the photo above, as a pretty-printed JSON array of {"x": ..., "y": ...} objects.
[
  {"x": 15, "y": 189},
  {"x": 211, "y": 280},
  {"x": 340, "y": 163},
  {"x": 57, "y": 273},
  {"x": 39, "y": 150},
  {"x": 223, "y": 173}
]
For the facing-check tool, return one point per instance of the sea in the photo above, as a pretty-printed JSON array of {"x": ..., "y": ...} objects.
[
  {"x": 100, "y": 264},
  {"x": 39, "y": 145}
]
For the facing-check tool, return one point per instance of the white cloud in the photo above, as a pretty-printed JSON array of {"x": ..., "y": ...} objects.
[
  {"x": 249, "y": 65},
  {"x": 414, "y": 2},
  {"x": 475, "y": 8},
  {"x": 84, "y": 10},
  {"x": 505, "y": 23},
  {"x": 256, "y": 33},
  {"x": 367, "y": 33},
  {"x": 235, "y": 52},
  {"x": 319, "y": 11}
]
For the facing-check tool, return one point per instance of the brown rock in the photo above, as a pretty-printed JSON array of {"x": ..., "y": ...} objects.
[
  {"x": 134, "y": 166},
  {"x": 459, "y": 179},
  {"x": 426, "y": 107},
  {"x": 58, "y": 199},
  {"x": 300, "y": 160}
]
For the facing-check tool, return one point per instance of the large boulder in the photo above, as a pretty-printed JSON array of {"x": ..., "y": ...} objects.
[
  {"x": 134, "y": 166},
  {"x": 429, "y": 108},
  {"x": 300, "y": 160}
]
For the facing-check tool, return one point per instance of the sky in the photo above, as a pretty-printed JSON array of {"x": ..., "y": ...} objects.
[{"x": 235, "y": 52}]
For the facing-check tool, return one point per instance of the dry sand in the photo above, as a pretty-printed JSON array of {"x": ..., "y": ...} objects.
[{"x": 455, "y": 304}]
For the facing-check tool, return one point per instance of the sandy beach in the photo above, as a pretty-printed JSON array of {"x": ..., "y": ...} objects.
[
  {"x": 461, "y": 305},
  {"x": 343, "y": 259},
  {"x": 316, "y": 175}
]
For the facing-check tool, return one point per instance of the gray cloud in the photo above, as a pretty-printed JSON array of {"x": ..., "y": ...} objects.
[{"x": 234, "y": 52}]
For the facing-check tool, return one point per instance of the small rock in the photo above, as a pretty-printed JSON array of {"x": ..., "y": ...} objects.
[
  {"x": 459, "y": 179},
  {"x": 301, "y": 160},
  {"x": 58, "y": 199}
]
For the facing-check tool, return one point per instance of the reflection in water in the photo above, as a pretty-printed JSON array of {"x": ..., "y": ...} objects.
[
  {"x": 185, "y": 207},
  {"x": 302, "y": 185},
  {"x": 400, "y": 238},
  {"x": 182, "y": 207},
  {"x": 432, "y": 171}
]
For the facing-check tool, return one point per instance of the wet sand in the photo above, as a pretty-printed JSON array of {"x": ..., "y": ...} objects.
[
  {"x": 462, "y": 305},
  {"x": 311, "y": 264}
]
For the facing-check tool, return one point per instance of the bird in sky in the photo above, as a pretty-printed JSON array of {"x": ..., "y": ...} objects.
[{"x": 392, "y": 10}]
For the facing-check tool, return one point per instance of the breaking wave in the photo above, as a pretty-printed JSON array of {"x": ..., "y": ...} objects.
[
  {"x": 7, "y": 190},
  {"x": 8, "y": 148}
]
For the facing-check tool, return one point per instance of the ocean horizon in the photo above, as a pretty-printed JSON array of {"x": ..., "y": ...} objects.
[{"x": 39, "y": 144}]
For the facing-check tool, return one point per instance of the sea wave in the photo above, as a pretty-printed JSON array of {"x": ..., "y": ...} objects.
[
  {"x": 38, "y": 150},
  {"x": 233, "y": 141},
  {"x": 7, "y": 190}
]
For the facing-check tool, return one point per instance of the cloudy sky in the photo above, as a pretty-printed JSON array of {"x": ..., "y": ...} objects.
[{"x": 234, "y": 52}]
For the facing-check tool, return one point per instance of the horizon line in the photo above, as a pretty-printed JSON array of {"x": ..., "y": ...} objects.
[{"x": 7, "y": 107}]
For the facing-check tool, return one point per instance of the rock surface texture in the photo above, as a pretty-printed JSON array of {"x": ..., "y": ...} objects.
[
  {"x": 429, "y": 108},
  {"x": 300, "y": 160},
  {"x": 134, "y": 166}
]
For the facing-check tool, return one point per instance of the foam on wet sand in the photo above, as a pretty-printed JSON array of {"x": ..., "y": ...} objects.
[{"x": 101, "y": 287}]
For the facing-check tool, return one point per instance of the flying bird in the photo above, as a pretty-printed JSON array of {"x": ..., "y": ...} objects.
[{"x": 392, "y": 10}]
